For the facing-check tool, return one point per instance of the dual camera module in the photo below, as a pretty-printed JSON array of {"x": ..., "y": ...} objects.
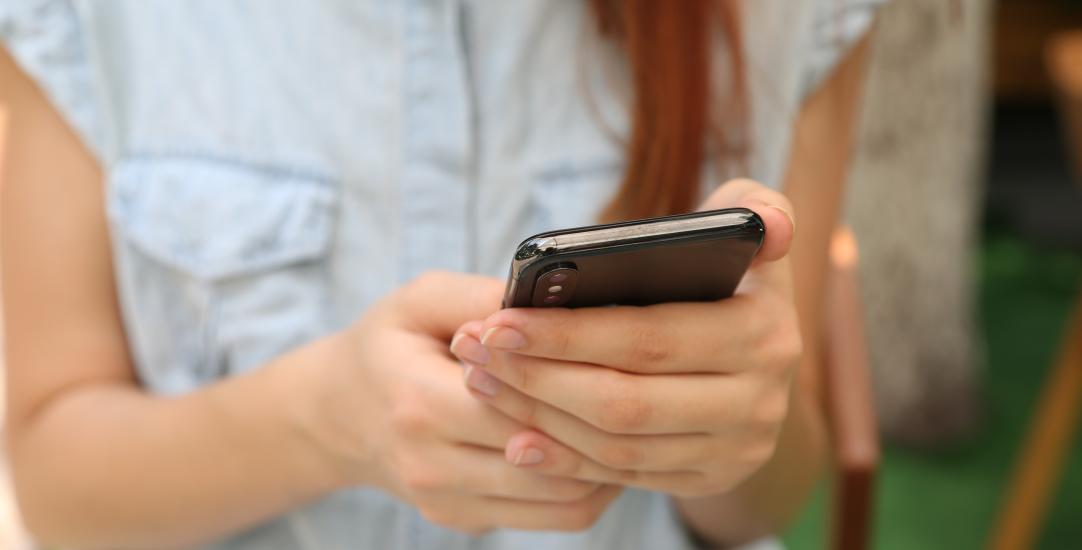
[{"x": 555, "y": 286}]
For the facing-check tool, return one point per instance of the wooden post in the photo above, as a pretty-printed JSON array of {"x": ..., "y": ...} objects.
[
  {"x": 850, "y": 407},
  {"x": 1047, "y": 443}
]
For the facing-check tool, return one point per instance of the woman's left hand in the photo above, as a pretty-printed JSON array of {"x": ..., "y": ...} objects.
[{"x": 685, "y": 398}]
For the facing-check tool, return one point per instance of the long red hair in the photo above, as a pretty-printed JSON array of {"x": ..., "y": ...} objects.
[{"x": 669, "y": 45}]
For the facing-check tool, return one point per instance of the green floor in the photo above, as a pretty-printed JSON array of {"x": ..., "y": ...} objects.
[{"x": 947, "y": 499}]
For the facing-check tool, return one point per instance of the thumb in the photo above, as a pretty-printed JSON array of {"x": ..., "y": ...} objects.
[
  {"x": 772, "y": 207},
  {"x": 771, "y": 265},
  {"x": 439, "y": 302}
]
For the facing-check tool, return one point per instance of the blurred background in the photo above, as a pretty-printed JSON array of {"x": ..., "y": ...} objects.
[{"x": 966, "y": 201}]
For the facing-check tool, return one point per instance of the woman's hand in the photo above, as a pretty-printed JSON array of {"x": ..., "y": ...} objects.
[
  {"x": 685, "y": 398},
  {"x": 390, "y": 410}
]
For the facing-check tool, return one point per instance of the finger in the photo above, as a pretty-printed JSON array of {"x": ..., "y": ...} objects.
[
  {"x": 668, "y": 337},
  {"x": 474, "y": 423},
  {"x": 660, "y": 452},
  {"x": 486, "y": 472},
  {"x": 773, "y": 207},
  {"x": 495, "y": 512},
  {"x": 439, "y": 302},
  {"x": 575, "y": 516},
  {"x": 470, "y": 328},
  {"x": 776, "y": 211},
  {"x": 562, "y": 461},
  {"x": 456, "y": 415},
  {"x": 664, "y": 338},
  {"x": 616, "y": 402}
]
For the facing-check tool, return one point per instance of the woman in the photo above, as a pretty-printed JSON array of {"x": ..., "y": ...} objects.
[{"x": 234, "y": 290}]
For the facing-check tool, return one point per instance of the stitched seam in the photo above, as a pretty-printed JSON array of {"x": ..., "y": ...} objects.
[{"x": 277, "y": 169}]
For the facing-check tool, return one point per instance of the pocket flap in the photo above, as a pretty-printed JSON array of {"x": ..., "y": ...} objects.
[{"x": 219, "y": 219}]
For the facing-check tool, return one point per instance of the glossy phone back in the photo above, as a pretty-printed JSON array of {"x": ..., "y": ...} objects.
[{"x": 690, "y": 257}]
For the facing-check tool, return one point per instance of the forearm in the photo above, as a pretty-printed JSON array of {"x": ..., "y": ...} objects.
[
  {"x": 771, "y": 498},
  {"x": 106, "y": 465}
]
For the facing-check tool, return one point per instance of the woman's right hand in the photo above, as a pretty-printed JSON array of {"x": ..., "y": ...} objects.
[{"x": 389, "y": 410}]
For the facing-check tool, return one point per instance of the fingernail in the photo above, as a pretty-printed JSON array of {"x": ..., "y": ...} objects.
[
  {"x": 455, "y": 340},
  {"x": 468, "y": 349},
  {"x": 792, "y": 221},
  {"x": 529, "y": 456},
  {"x": 481, "y": 381},
  {"x": 503, "y": 338}
]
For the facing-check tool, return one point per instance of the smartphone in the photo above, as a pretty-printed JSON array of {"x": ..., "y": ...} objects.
[{"x": 683, "y": 258}]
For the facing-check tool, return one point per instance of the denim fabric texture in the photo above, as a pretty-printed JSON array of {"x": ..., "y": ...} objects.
[{"x": 275, "y": 166}]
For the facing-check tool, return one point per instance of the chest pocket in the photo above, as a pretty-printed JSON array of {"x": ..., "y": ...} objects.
[{"x": 221, "y": 266}]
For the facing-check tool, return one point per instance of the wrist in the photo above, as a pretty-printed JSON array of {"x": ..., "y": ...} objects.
[{"x": 324, "y": 438}]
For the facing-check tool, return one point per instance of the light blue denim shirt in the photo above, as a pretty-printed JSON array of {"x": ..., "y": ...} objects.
[{"x": 275, "y": 166}]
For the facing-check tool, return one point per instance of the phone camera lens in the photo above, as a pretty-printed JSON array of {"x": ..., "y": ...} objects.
[{"x": 555, "y": 286}]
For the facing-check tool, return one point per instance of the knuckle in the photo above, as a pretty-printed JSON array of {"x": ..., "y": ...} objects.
[
  {"x": 436, "y": 515},
  {"x": 704, "y": 455},
  {"x": 446, "y": 517},
  {"x": 409, "y": 418},
  {"x": 762, "y": 335},
  {"x": 790, "y": 343},
  {"x": 531, "y": 411},
  {"x": 749, "y": 183},
  {"x": 420, "y": 478},
  {"x": 649, "y": 346},
  {"x": 572, "y": 466},
  {"x": 771, "y": 411},
  {"x": 759, "y": 453},
  {"x": 619, "y": 456},
  {"x": 777, "y": 345},
  {"x": 564, "y": 326},
  {"x": 511, "y": 368},
  {"x": 712, "y": 485},
  {"x": 574, "y": 491},
  {"x": 623, "y": 409},
  {"x": 581, "y": 516},
  {"x": 416, "y": 286},
  {"x": 516, "y": 372},
  {"x": 434, "y": 278},
  {"x": 625, "y": 477},
  {"x": 624, "y": 415},
  {"x": 417, "y": 481}
]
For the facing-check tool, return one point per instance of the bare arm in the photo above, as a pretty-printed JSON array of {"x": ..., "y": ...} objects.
[
  {"x": 818, "y": 166},
  {"x": 96, "y": 461}
]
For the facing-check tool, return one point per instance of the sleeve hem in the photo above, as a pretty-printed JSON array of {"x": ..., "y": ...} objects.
[
  {"x": 834, "y": 32},
  {"x": 46, "y": 40}
]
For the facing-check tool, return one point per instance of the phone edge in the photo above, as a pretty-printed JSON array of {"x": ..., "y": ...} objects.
[{"x": 545, "y": 245}]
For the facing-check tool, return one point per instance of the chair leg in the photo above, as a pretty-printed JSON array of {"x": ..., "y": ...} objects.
[
  {"x": 850, "y": 405},
  {"x": 1047, "y": 443}
]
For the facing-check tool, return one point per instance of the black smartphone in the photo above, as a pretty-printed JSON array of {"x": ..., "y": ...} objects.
[{"x": 684, "y": 258}]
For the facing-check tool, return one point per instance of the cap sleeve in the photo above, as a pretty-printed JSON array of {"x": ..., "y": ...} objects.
[
  {"x": 836, "y": 25},
  {"x": 46, "y": 39}
]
